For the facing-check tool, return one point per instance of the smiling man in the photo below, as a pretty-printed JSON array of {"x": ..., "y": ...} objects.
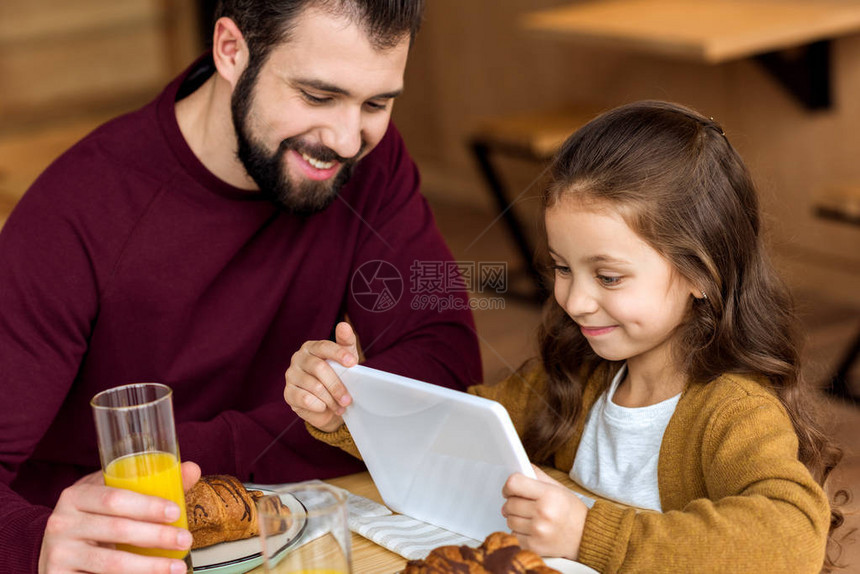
[
  {"x": 205, "y": 241},
  {"x": 302, "y": 116}
]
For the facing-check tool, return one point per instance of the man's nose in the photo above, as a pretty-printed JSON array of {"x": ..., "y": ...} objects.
[{"x": 344, "y": 135}]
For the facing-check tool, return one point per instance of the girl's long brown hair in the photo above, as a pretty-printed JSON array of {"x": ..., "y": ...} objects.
[{"x": 679, "y": 184}]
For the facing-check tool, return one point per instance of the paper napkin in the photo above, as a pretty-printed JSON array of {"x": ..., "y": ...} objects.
[{"x": 401, "y": 534}]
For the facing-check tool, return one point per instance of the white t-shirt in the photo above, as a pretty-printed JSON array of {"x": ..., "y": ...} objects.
[{"x": 617, "y": 456}]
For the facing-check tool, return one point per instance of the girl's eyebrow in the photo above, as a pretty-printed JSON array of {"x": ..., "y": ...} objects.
[
  {"x": 606, "y": 259},
  {"x": 600, "y": 258}
]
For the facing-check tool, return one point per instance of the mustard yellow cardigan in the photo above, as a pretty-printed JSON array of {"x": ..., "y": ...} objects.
[{"x": 735, "y": 497}]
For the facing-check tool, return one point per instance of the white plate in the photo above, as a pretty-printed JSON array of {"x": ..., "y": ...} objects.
[
  {"x": 238, "y": 556},
  {"x": 568, "y": 566}
]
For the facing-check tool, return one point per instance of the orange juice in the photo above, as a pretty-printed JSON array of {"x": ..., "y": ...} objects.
[{"x": 155, "y": 474}]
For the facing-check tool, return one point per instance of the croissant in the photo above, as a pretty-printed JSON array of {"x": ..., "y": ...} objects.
[
  {"x": 221, "y": 509},
  {"x": 499, "y": 553}
]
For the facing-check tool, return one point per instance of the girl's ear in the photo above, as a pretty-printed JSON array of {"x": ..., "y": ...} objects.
[
  {"x": 229, "y": 50},
  {"x": 691, "y": 286},
  {"x": 698, "y": 293}
]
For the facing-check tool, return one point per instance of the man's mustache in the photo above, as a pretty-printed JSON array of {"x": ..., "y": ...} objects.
[{"x": 317, "y": 151}]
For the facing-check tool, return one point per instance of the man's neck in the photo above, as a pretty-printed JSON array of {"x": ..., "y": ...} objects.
[{"x": 205, "y": 120}]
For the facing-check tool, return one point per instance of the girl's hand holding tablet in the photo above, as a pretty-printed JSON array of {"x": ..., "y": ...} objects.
[{"x": 545, "y": 516}]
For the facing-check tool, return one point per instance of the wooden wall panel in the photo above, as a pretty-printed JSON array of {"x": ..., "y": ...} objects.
[
  {"x": 58, "y": 56},
  {"x": 112, "y": 63},
  {"x": 38, "y": 21}
]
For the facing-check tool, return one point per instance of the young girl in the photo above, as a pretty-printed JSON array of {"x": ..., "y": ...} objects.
[{"x": 668, "y": 383}]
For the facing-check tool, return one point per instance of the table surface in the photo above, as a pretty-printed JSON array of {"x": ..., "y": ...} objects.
[
  {"x": 709, "y": 31},
  {"x": 368, "y": 557}
]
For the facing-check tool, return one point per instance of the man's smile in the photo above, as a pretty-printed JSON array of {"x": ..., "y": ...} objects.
[{"x": 313, "y": 168}]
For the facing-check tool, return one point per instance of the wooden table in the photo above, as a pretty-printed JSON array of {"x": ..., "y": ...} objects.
[
  {"x": 708, "y": 31},
  {"x": 368, "y": 557}
]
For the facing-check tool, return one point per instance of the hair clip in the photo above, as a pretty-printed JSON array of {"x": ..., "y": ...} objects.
[{"x": 720, "y": 129}]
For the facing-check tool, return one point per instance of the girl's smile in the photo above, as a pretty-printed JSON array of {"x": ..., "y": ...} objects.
[{"x": 596, "y": 331}]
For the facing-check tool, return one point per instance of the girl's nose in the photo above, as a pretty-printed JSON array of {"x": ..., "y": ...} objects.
[{"x": 578, "y": 301}]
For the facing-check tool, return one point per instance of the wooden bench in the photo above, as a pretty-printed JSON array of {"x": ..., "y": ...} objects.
[
  {"x": 839, "y": 203},
  {"x": 534, "y": 136}
]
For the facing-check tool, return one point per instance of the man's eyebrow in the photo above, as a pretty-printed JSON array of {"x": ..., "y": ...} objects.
[{"x": 332, "y": 89}]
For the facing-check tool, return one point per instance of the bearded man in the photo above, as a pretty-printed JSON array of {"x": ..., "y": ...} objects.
[{"x": 211, "y": 241}]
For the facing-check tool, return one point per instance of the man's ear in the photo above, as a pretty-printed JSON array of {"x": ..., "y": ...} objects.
[{"x": 229, "y": 50}]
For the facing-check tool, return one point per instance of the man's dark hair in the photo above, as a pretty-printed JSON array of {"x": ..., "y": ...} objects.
[{"x": 267, "y": 23}]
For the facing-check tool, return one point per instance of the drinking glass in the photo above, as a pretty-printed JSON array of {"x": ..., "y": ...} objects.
[
  {"x": 304, "y": 530},
  {"x": 138, "y": 449}
]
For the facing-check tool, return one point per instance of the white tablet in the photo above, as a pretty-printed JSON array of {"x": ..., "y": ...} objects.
[{"x": 435, "y": 454}]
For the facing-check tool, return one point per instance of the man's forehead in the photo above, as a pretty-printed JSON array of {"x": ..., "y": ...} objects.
[{"x": 331, "y": 49}]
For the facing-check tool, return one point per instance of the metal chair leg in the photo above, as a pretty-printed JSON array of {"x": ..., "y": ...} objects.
[
  {"x": 481, "y": 152},
  {"x": 839, "y": 384}
]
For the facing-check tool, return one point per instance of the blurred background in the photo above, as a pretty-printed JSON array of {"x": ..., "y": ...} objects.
[{"x": 68, "y": 65}]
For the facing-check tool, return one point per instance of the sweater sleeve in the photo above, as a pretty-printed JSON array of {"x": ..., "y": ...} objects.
[
  {"x": 43, "y": 334},
  {"x": 763, "y": 510},
  {"x": 340, "y": 438}
]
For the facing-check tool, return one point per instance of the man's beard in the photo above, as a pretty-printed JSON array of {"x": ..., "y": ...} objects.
[{"x": 269, "y": 171}]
